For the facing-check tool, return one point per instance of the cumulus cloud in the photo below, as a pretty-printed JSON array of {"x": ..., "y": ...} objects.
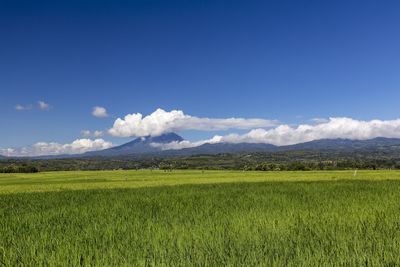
[
  {"x": 43, "y": 105},
  {"x": 160, "y": 121},
  {"x": 42, "y": 148},
  {"x": 99, "y": 112},
  {"x": 286, "y": 135},
  {"x": 20, "y": 107}
]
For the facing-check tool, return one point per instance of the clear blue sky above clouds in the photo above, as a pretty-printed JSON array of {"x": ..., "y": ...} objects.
[{"x": 285, "y": 60}]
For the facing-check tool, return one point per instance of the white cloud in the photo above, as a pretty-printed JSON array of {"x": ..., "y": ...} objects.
[
  {"x": 43, "y": 105},
  {"x": 20, "y": 107},
  {"x": 286, "y": 135},
  {"x": 42, "y": 148},
  {"x": 99, "y": 112},
  {"x": 88, "y": 133},
  {"x": 98, "y": 133},
  {"x": 186, "y": 143},
  {"x": 160, "y": 121}
]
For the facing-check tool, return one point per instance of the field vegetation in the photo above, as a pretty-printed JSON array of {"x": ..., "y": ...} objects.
[{"x": 184, "y": 218}]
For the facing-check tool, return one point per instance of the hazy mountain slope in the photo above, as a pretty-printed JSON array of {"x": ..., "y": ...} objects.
[
  {"x": 141, "y": 147},
  {"x": 344, "y": 144}
]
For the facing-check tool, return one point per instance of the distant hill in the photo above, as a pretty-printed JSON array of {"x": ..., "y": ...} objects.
[
  {"x": 345, "y": 145},
  {"x": 139, "y": 145},
  {"x": 390, "y": 145},
  {"x": 387, "y": 145},
  {"x": 218, "y": 148},
  {"x": 142, "y": 148}
]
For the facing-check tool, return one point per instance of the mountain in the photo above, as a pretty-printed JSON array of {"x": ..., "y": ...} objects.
[
  {"x": 323, "y": 145},
  {"x": 232, "y": 148},
  {"x": 139, "y": 145},
  {"x": 345, "y": 145},
  {"x": 218, "y": 148},
  {"x": 142, "y": 148}
]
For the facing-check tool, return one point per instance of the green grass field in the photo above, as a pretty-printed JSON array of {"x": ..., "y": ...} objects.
[{"x": 184, "y": 218}]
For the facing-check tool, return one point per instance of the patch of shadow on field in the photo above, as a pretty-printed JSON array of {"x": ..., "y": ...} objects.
[{"x": 361, "y": 184}]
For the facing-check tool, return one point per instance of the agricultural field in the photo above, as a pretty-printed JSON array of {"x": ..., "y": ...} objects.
[{"x": 184, "y": 218}]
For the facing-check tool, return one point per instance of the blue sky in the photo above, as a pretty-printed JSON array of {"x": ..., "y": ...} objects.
[{"x": 289, "y": 61}]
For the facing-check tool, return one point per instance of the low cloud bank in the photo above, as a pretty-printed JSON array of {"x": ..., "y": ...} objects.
[
  {"x": 286, "y": 135},
  {"x": 186, "y": 143},
  {"x": 43, "y": 149},
  {"x": 161, "y": 121}
]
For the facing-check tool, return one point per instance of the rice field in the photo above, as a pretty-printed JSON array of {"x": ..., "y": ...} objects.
[{"x": 192, "y": 218}]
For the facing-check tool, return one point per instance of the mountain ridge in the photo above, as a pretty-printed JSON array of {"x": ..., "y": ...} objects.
[
  {"x": 139, "y": 145},
  {"x": 142, "y": 147}
]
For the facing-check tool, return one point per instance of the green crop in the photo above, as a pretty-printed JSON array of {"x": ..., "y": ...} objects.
[{"x": 156, "y": 218}]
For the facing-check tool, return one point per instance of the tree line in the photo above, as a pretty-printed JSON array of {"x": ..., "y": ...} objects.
[
  {"x": 279, "y": 161},
  {"x": 19, "y": 169}
]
